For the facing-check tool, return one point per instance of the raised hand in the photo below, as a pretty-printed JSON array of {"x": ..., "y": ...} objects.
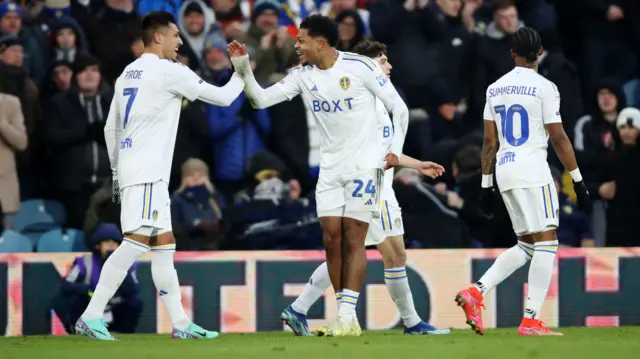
[
  {"x": 430, "y": 169},
  {"x": 236, "y": 49}
]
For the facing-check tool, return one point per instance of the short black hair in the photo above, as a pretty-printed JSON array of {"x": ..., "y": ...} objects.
[
  {"x": 502, "y": 5},
  {"x": 526, "y": 42},
  {"x": 321, "y": 26},
  {"x": 370, "y": 48},
  {"x": 154, "y": 21},
  {"x": 467, "y": 159}
]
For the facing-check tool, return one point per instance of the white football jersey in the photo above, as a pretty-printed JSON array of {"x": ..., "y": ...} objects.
[
  {"x": 145, "y": 111},
  {"x": 521, "y": 103},
  {"x": 343, "y": 102},
  {"x": 385, "y": 130}
]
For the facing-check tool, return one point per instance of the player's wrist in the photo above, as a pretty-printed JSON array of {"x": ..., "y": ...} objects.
[
  {"x": 487, "y": 181},
  {"x": 576, "y": 175}
]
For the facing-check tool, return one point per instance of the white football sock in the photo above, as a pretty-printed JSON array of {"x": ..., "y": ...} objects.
[
  {"x": 540, "y": 274},
  {"x": 113, "y": 272},
  {"x": 313, "y": 290},
  {"x": 166, "y": 281},
  {"x": 506, "y": 263},
  {"x": 398, "y": 287},
  {"x": 347, "y": 305}
]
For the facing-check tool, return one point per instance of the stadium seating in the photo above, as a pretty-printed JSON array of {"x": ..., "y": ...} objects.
[
  {"x": 13, "y": 242},
  {"x": 38, "y": 214},
  {"x": 61, "y": 240}
]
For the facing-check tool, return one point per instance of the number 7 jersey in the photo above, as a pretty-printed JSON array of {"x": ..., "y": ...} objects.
[
  {"x": 521, "y": 103},
  {"x": 144, "y": 115}
]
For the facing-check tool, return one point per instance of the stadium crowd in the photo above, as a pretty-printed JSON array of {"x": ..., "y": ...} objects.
[{"x": 245, "y": 178}]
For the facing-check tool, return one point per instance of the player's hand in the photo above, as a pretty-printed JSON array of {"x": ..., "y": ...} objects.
[
  {"x": 486, "y": 202},
  {"x": 582, "y": 194},
  {"x": 236, "y": 49},
  {"x": 430, "y": 169},
  {"x": 391, "y": 161},
  {"x": 607, "y": 190}
]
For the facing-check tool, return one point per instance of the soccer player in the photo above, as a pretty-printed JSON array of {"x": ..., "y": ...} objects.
[
  {"x": 385, "y": 232},
  {"x": 341, "y": 89},
  {"x": 140, "y": 133},
  {"x": 521, "y": 113}
]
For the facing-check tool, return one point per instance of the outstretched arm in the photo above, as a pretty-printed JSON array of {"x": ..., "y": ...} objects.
[
  {"x": 260, "y": 98},
  {"x": 180, "y": 80},
  {"x": 489, "y": 149},
  {"x": 426, "y": 168}
]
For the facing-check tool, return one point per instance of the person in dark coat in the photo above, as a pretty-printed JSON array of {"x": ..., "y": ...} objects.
[{"x": 124, "y": 309}]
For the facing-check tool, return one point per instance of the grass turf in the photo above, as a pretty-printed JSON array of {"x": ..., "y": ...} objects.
[{"x": 582, "y": 343}]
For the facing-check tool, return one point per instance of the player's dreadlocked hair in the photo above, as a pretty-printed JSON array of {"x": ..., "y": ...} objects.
[
  {"x": 321, "y": 26},
  {"x": 527, "y": 43},
  {"x": 154, "y": 21},
  {"x": 370, "y": 48}
]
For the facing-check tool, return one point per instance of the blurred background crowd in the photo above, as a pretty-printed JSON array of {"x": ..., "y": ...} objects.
[{"x": 244, "y": 178}]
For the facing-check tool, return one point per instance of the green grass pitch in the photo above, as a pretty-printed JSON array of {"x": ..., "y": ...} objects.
[{"x": 578, "y": 343}]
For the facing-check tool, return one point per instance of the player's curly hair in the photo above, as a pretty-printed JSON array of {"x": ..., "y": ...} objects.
[
  {"x": 321, "y": 26},
  {"x": 154, "y": 21},
  {"x": 527, "y": 43},
  {"x": 370, "y": 48}
]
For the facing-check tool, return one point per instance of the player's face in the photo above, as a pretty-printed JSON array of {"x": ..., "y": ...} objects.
[
  {"x": 171, "y": 42},
  {"x": 308, "y": 48},
  {"x": 385, "y": 65},
  {"x": 629, "y": 135}
]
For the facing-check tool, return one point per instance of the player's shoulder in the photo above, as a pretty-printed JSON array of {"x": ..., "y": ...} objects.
[
  {"x": 358, "y": 64},
  {"x": 300, "y": 70}
]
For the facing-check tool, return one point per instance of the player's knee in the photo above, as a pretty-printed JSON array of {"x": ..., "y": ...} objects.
[
  {"x": 395, "y": 259},
  {"x": 332, "y": 239}
]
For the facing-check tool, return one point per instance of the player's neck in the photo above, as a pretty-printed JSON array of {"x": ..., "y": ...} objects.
[
  {"x": 151, "y": 50},
  {"x": 327, "y": 61},
  {"x": 528, "y": 65}
]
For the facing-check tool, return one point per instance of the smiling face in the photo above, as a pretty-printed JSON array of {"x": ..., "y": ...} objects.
[
  {"x": 169, "y": 40},
  {"x": 309, "y": 48}
]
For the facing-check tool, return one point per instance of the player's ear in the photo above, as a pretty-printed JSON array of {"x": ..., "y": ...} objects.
[
  {"x": 157, "y": 37},
  {"x": 541, "y": 51}
]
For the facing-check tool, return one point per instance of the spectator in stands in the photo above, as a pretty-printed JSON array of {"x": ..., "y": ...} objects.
[
  {"x": 237, "y": 131},
  {"x": 230, "y": 17},
  {"x": 272, "y": 44},
  {"x": 594, "y": 141},
  {"x": 351, "y": 29},
  {"x": 427, "y": 222},
  {"x": 30, "y": 39},
  {"x": 574, "y": 229},
  {"x": 492, "y": 55},
  {"x": 13, "y": 137},
  {"x": 67, "y": 39},
  {"x": 197, "y": 209},
  {"x": 599, "y": 31},
  {"x": 14, "y": 80},
  {"x": 112, "y": 28},
  {"x": 196, "y": 21},
  {"x": 123, "y": 310},
  {"x": 59, "y": 79},
  {"x": 624, "y": 208},
  {"x": 272, "y": 214},
  {"x": 102, "y": 209},
  {"x": 74, "y": 132},
  {"x": 553, "y": 65},
  {"x": 332, "y": 8}
]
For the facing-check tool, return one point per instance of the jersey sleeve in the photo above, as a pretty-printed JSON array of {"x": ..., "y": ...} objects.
[
  {"x": 181, "y": 81},
  {"x": 380, "y": 86},
  {"x": 487, "y": 115},
  {"x": 551, "y": 104},
  {"x": 289, "y": 84}
]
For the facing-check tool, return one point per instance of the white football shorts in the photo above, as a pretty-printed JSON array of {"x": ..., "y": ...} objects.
[
  {"x": 388, "y": 225},
  {"x": 354, "y": 191},
  {"x": 532, "y": 210},
  {"x": 146, "y": 209}
]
